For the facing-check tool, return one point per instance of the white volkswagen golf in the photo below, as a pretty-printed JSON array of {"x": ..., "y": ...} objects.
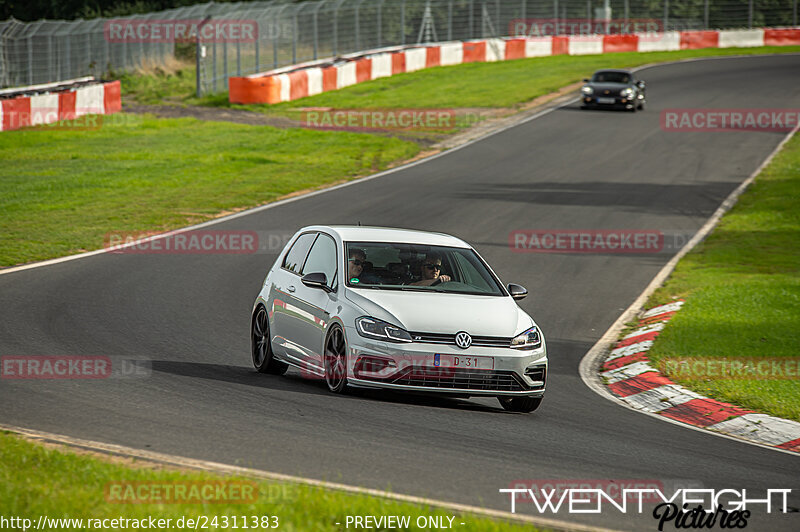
[{"x": 393, "y": 308}]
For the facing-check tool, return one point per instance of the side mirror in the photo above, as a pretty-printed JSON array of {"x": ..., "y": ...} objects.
[
  {"x": 640, "y": 84},
  {"x": 517, "y": 292},
  {"x": 316, "y": 280},
  {"x": 586, "y": 80}
]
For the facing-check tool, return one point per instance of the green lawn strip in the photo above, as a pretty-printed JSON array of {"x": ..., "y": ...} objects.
[
  {"x": 61, "y": 191},
  {"x": 472, "y": 85},
  {"x": 38, "y": 481},
  {"x": 742, "y": 292}
]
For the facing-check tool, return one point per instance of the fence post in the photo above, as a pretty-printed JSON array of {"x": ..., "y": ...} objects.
[
  {"x": 794, "y": 13},
  {"x": 294, "y": 38},
  {"x": 358, "y": 24},
  {"x": 335, "y": 29},
  {"x": 197, "y": 55},
  {"x": 705, "y": 15},
  {"x": 750, "y": 14},
  {"x": 555, "y": 17},
  {"x": 316, "y": 31},
  {"x": 471, "y": 34},
  {"x": 626, "y": 8},
  {"x": 214, "y": 63},
  {"x": 450, "y": 20},
  {"x": 30, "y": 60},
  {"x": 666, "y": 14},
  {"x": 380, "y": 23},
  {"x": 497, "y": 31},
  {"x": 403, "y": 22}
]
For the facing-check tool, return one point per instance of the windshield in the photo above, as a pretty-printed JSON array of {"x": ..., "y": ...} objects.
[
  {"x": 611, "y": 77},
  {"x": 416, "y": 267}
]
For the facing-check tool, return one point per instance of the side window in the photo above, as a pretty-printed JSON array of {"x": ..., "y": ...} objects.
[
  {"x": 471, "y": 274},
  {"x": 322, "y": 258},
  {"x": 297, "y": 255}
]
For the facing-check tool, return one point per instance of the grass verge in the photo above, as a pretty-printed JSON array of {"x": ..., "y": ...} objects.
[
  {"x": 472, "y": 85},
  {"x": 41, "y": 481},
  {"x": 742, "y": 292},
  {"x": 61, "y": 191}
]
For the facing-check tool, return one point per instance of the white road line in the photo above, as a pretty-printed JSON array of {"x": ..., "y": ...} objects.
[{"x": 215, "y": 467}]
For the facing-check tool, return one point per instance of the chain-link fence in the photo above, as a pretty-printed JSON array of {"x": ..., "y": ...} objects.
[{"x": 294, "y": 32}]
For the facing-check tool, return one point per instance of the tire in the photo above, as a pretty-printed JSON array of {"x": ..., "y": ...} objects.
[
  {"x": 335, "y": 360},
  {"x": 520, "y": 404},
  {"x": 641, "y": 106},
  {"x": 261, "y": 345}
]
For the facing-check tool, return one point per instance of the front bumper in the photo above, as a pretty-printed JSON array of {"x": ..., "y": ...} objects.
[
  {"x": 413, "y": 367},
  {"x": 591, "y": 101}
]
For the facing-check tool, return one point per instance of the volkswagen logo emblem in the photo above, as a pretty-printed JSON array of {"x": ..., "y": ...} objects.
[{"x": 463, "y": 340}]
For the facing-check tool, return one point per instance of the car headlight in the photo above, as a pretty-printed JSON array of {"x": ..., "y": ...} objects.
[
  {"x": 380, "y": 330},
  {"x": 587, "y": 90},
  {"x": 530, "y": 339},
  {"x": 628, "y": 93}
]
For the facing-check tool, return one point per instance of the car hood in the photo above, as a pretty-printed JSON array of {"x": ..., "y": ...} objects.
[{"x": 444, "y": 313}]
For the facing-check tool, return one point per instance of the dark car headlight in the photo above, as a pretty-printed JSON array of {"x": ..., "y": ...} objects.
[
  {"x": 530, "y": 339},
  {"x": 380, "y": 330}
]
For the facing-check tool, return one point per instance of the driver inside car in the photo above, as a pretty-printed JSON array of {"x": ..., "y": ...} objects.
[{"x": 431, "y": 271}]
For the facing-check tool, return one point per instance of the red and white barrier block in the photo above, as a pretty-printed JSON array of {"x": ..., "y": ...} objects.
[
  {"x": 47, "y": 104},
  {"x": 628, "y": 374},
  {"x": 299, "y": 81}
]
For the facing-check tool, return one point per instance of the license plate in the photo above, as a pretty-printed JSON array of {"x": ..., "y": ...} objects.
[
  {"x": 605, "y": 100},
  {"x": 463, "y": 361}
]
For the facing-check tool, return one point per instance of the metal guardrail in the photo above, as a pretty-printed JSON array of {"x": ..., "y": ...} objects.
[{"x": 295, "y": 32}]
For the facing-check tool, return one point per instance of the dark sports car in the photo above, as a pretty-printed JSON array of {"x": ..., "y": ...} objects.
[{"x": 613, "y": 89}]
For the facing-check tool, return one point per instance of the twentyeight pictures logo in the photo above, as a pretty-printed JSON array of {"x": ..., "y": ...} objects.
[{"x": 681, "y": 508}]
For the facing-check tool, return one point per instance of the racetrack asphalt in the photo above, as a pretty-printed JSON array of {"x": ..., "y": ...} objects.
[{"x": 569, "y": 169}]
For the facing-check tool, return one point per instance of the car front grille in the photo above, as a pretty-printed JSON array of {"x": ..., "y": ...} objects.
[
  {"x": 458, "y": 378},
  {"x": 450, "y": 339}
]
